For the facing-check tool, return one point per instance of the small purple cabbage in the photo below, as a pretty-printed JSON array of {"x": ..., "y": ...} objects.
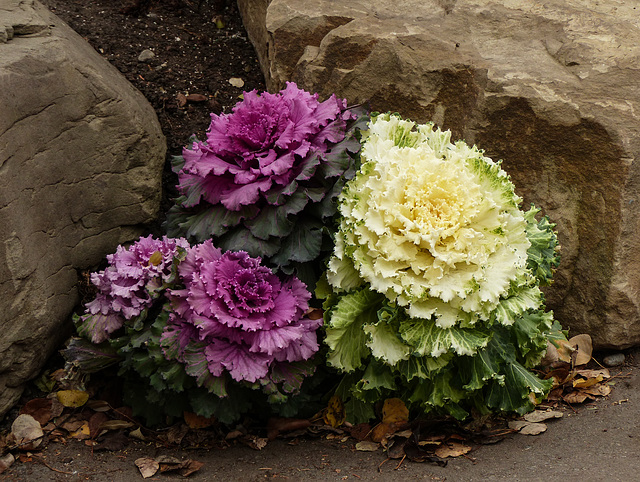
[
  {"x": 129, "y": 285},
  {"x": 240, "y": 313},
  {"x": 266, "y": 178}
]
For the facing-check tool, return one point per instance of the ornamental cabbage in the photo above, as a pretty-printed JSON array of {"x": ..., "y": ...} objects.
[
  {"x": 246, "y": 319},
  {"x": 432, "y": 225},
  {"x": 433, "y": 287},
  {"x": 195, "y": 328},
  {"x": 266, "y": 179},
  {"x": 129, "y": 285}
]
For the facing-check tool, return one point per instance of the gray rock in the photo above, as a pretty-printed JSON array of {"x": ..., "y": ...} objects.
[
  {"x": 81, "y": 156},
  {"x": 549, "y": 87},
  {"x": 614, "y": 360},
  {"x": 146, "y": 55}
]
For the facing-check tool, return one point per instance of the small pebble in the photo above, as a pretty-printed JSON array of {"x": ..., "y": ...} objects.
[
  {"x": 614, "y": 360},
  {"x": 146, "y": 55}
]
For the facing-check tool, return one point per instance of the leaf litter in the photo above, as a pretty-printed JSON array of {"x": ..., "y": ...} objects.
[{"x": 71, "y": 412}]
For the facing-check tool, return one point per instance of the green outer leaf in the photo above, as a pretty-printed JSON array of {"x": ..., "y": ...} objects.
[
  {"x": 275, "y": 220},
  {"x": 427, "y": 339},
  {"x": 241, "y": 239},
  {"x": 441, "y": 395},
  {"x": 478, "y": 370},
  {"x": 422, "y": 367},
  {"x": 376, "y": 381},
  {"x": 344, "y": 328},
  {"x": 302, "y": 245},
  {"x": 542, "y": 256},
  {"x": 385, "y": 343},
  {"x": 89, "y": 357}
]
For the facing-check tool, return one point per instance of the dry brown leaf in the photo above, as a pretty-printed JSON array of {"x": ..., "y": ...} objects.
[
  {"x": 6, "y": 461},
  {"x": 599, "y": 390},
  {"x": 382, "y": 431},
  {"x": 39, "y": 409},
  {"x": 27, "y": 432},
  {"x": 72, "y": 398},
  {"x": 191, "y": 467},
  {"x": 394, "y": 411},
  {"x": 95, "y": 423},
  {"x": 181, "y": 99},
  {"x": 116, "y": 425},
  {"x": 599, "y": 372},
  {"x": 256, "y": 443},
  {"x": 576, "y": 396},
  {"x": 196, "y": 98},
  {"x": 196, "y": 421},
  {"x": 565, "y": 350},
  {"x": 277, "y": 425},
  {"x": 137, "y": 434},
  {"x": 533, "y": 429},
  {"x": 584, "y": 348},
  {"x": 586, "y": 383},
  {"x": 542, "y": 415},
  {"x": 147, "y": 467},
  {"x": 98, "y": 405},
  {"x": 83, "y": 433},
  {"x": 367, "y": 446},
  {"x": 452, "y": 449},
  {"x": 335, "y": 414},
  {"x": 518, "y": 424}
]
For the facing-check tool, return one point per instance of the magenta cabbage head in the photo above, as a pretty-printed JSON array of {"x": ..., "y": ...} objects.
[
  {"x": 129, "y": 285},
  {"x": 266, "y": 178},
  {"x": 244, "y": 320}
]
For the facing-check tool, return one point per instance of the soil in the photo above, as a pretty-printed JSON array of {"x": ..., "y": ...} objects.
[{"x": 198, "y": 47}]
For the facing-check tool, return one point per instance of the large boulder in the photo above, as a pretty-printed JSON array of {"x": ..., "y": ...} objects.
[
  {"x": 549, "y": 87},
  {"x": 81, "y": 156}
]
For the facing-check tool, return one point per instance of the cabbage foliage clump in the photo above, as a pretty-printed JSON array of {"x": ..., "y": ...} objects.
[{"x": 434, "y": 283}]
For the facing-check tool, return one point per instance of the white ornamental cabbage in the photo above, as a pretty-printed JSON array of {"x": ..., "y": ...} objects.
[{"x": 432, "y": 225}]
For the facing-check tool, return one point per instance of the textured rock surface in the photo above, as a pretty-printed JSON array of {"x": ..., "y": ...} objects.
[
  {"x": 550, "y": 87},
  {"x": 81, "y": 155}
]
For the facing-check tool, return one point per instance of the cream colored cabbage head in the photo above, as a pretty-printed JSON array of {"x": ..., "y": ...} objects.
[{"x": 435, "y": 226}]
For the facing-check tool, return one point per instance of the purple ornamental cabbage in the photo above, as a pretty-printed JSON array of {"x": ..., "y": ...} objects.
[
  {"x": 266, "y": 178},
  {"x": 239, "y": 314},
  {"x": 129, "y": 285}
]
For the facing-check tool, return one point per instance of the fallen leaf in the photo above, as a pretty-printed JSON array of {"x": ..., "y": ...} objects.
[
  {"x": 586, "y": 383},
  {"x": 598, "y": 390},
  {"x": 6, "y": 461},
  {"x": 360, "y": 431},
  {"x": 196, "y": 98},
  {"x": 382, "y": 431},
  {"x": 576, "y": 396},
  {"x": 277, "y": 425},
  {"x": 83, "y": 433},
  {"x": 112, "y": 442},
  {"x": 236, "y": 82},
  {"x": 137, "y": 434},
  {"x": 95, "y": 423},
  {"x": 542, "y": 415},
  {"x": 181, "y": 99},
  {"x": 116, "y": 425},
  {"x": 176, "y": 434},
  {"x": 565, "y": 350},
  {"x": 256, "y": 443},
  {"x": 599, "y": 372},
  {"x": 367, "y": 446},
  {"x": 27, "y": 432},
  {"x": 452, "y": 449},
  {"x": 533, "y": 429},
  {"x": 335, "y": 414},
  {"x": 394, "y": 411},
  {"x": 518, "y": 424},
  {"x": 72, "y": 398},
  {"x": 39, "y": 409},
  {"x": 98, "y": 405},
  {"x": 191, "y": 467},
  {"x": 147, "y": 467},
  {"x": 583, "y": 349},
  {"x": 196, "y": 421}
]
